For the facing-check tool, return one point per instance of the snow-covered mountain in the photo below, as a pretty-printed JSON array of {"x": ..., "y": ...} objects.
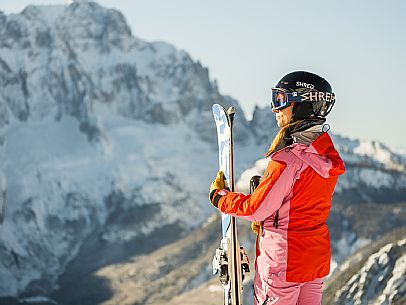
[
  {"x": 374, "y": 275},
  {"x": 83, "y": 61},
  {"x": 108, "y": 146},
  {"x": 100, "y": 134}
]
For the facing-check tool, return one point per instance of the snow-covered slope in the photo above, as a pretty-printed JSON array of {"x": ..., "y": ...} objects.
[
  {"x": 60, "y": 189},
  {"x": 102, "y": 141},
  {"x": 375, "y": 275}
]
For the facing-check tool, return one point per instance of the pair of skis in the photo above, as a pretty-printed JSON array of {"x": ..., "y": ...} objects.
[{"x": 230, "y": 260}]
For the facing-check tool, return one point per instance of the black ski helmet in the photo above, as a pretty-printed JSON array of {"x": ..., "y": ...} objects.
[{"x": 314, "y": 92}]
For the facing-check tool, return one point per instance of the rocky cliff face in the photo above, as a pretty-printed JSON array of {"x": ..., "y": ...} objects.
[
  {"x": 83, "y": 61},
  {"x": 376, "y": 274}
]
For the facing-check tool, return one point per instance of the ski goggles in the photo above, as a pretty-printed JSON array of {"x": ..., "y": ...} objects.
[{"x": 282, "y": 99}]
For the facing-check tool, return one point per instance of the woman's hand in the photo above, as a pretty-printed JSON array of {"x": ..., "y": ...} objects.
[
  {"x": 217, "y": 184},
  {"x": 256, "y": 226}
]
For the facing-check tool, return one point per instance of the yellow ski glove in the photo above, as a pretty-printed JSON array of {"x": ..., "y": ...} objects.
[
  {"x": 256, "y": 226},
  {"x": 217, "y": 184}
]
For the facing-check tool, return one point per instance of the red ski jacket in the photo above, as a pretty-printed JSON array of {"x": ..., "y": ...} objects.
[{"x": 298, "y": 185}]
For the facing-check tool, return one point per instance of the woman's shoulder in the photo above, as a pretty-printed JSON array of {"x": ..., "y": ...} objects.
[{"x": 287, "y": 155}]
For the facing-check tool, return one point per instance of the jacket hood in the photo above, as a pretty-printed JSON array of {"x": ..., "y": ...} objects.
[{"x": 316, "y": 149}]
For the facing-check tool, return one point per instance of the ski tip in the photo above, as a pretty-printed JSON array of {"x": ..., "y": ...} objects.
[{"x": 216, "y": 106}]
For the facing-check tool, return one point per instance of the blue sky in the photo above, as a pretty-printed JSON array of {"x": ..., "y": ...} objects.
[{"x": 358, "y": 46}]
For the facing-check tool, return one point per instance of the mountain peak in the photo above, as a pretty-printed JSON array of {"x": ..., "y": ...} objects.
[
  {"x": 82, "y": 60},
  {"x": 48, "y": 13}
]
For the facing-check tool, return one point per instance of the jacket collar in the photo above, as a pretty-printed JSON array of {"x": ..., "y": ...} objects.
[{"x": 301, "y": 133}]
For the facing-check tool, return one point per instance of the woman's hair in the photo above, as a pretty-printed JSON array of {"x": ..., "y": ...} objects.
[{"x": 280, "y": 135}]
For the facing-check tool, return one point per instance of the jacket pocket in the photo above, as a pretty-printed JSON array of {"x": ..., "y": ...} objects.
[{"x": 260, "y": 296}]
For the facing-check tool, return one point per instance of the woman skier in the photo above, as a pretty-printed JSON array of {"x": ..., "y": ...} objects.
[{"x": 290, "y": 206}]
